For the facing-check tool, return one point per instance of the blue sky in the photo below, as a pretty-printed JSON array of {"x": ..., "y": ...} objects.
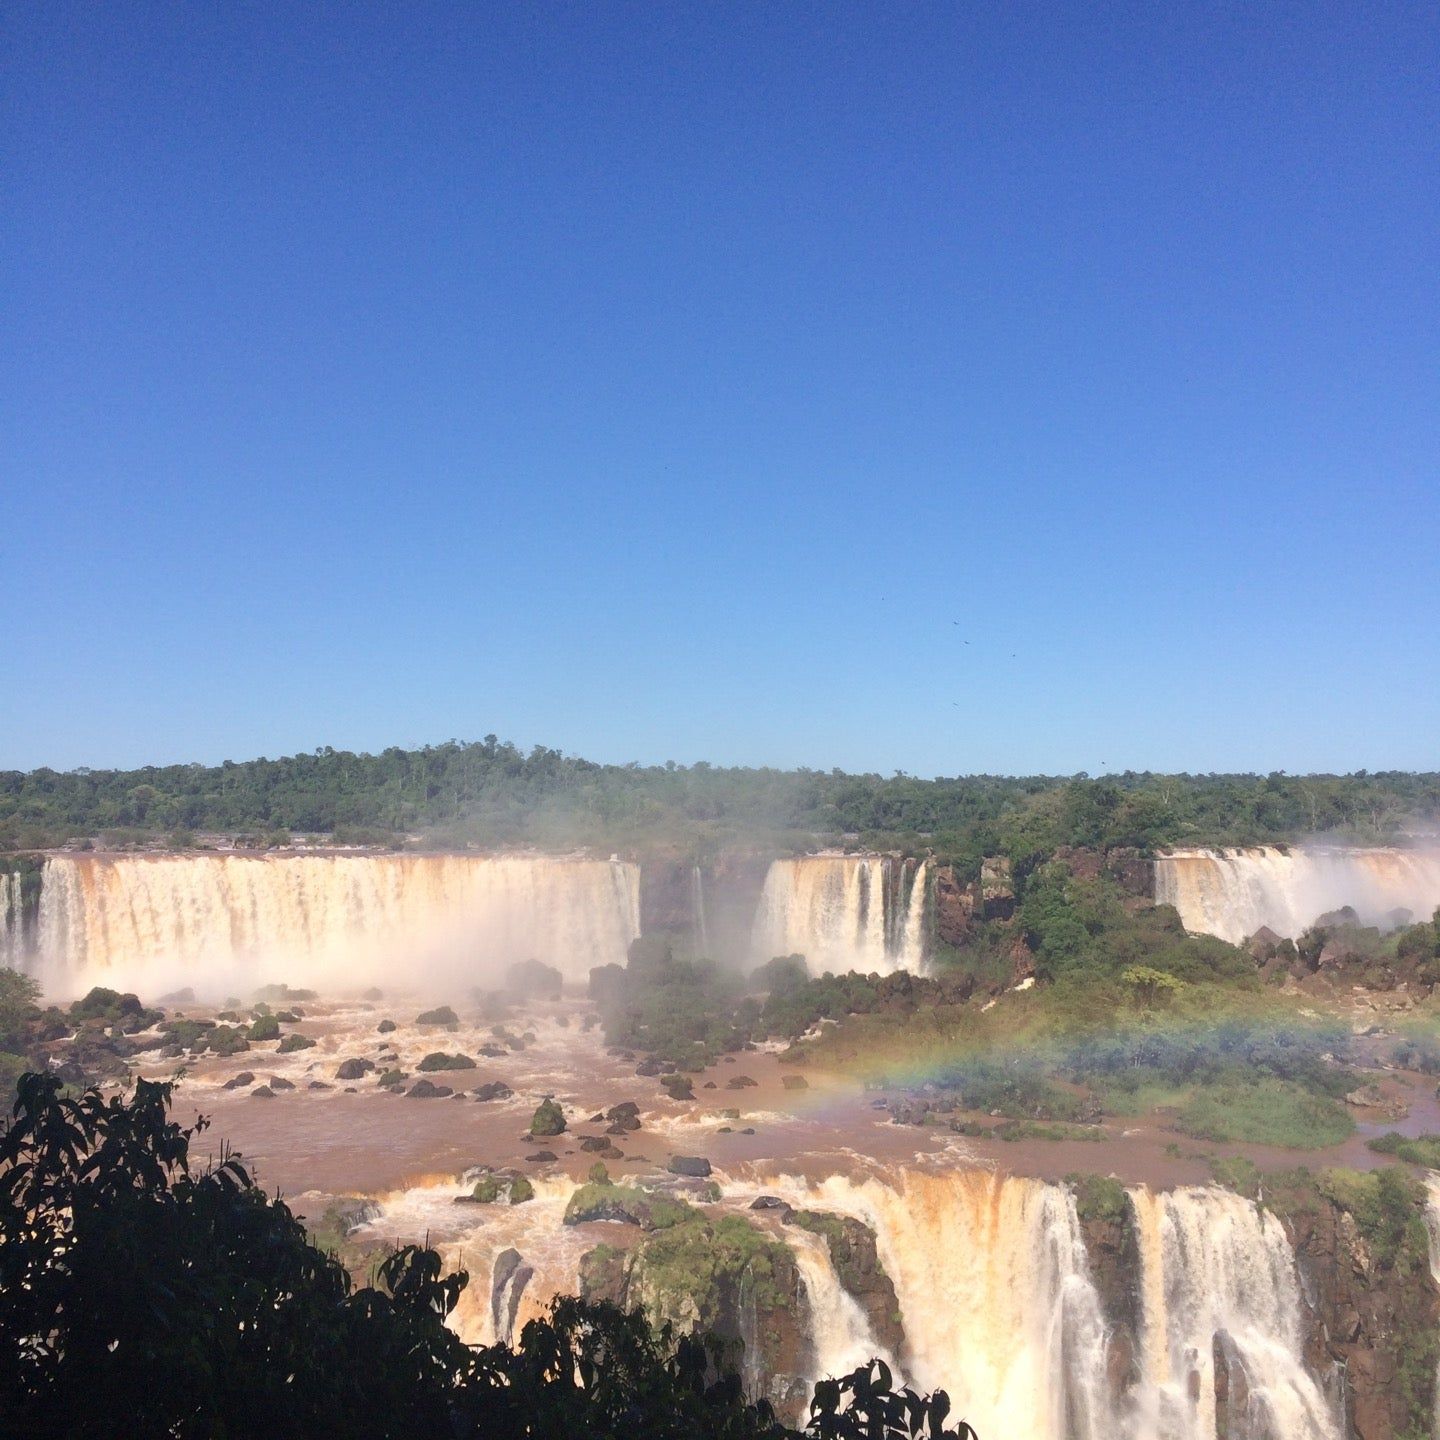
[{"x": 667, "y": 381}]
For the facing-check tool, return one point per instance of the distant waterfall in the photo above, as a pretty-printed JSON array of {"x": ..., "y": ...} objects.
[
  {"x": 1232, "y": 893},
  {"x": 697, "y": 910},
  {"x": 327, "y": 921},
  {"x": 12, "y": 922},
  {"x": 844, "y": 912},
  {"x": 1220, "y": 1285}
]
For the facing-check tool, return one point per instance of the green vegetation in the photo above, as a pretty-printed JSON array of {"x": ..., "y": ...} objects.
[
  {"x": 267, "y": 1027},
  {"x": 549, "y": 1119},
  {"x": 688, "y": 1267},
  {"x": 491, "y": 793},
  {"x": 1265, "y": 1111},
  {"x": 1424, "y": 1150},
  {"x": 1099, "y": 1198},
  {"x": 293, "y": 1042},
  {"x": 115, "y": 1256}
]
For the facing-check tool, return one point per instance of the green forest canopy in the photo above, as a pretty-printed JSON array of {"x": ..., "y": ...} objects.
[{"x": 492, "y": 793}]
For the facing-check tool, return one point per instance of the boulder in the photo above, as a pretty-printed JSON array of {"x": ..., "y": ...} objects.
[
  {"x": 262, "y": 1092},
  {"x": 694, "y": 1166},
  {"x": 492, "y": 1090},
  {"x": 428, "y": 1090},
  {"x": 355, "y": 1068},
  {"x": 279, "y": 1082},
  {"x": 548, "y": 1120},
  {"x": 238, "y": 1082},
  {"x": 795, "y": 1082},
  {"x": 541, "y": 1157}
]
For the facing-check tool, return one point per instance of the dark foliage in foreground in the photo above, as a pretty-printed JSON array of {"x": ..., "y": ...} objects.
[{"x": 140, "y": 1299}]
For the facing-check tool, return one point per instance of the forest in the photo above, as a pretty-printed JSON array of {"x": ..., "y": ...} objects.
[{"x": 491, "y": 793}]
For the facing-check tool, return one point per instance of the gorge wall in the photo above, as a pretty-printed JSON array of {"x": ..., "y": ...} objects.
[{"x": 1232, "y": 893}]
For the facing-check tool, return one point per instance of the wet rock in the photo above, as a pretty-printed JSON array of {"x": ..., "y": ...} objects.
[
  {"x": 593, "y": 1143},
  {"x": 679, "y": 1087},
  {"x": 428, "y": 1090},
  {"x": 386, "y": 1027},
  {"x": 611, "y": 1153},
  {"x": 279, "y": 1082},
  {"x": 541, "y": 1157},
  {"x": 507, "y": 1284},
  {"x": 320, "y": 1085},
  {"x": 548, "y": 1120},
  {"x": 651, "y": 1068},
  {"x": 694, "y": 1166},
  {"x": 440, "y": 1015},
  {"x": 740, "y": 1082},
  {"x": 854, "y": 1254},
  {"x": 770, "y": 1202},
  {"x": 262, "y": 1092},
  {"x": 238, "y": 1082},
  {"x": 355, "y": 1068},
  {"x": 492, "y": 1090}
]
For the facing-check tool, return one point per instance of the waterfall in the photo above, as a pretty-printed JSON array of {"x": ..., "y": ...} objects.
[
  {"x": 843, "y": 912},
  {"x": 1232, "y": 893},
  {"x": 223, "y": 922},
  {"x": 995, "y": 1293},
  {"x": 697, "y": 909},
  {"x": 12, "y": 921},
  {"x": 839, "y": 1332},
  {"x": 1220, "y": 1279}
]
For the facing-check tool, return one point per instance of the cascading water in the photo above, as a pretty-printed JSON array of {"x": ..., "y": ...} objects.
[
  {"x": 327, "y": 921},
  {"x": 839, "y": 1332},
  {"x": 1220, "y": 1284},
  {"x": 1232, "y": 893},
  {"x": 843, "y": 912},
  {"x": 994, "y": 1291},
  {"x": 12, "y": 922},
  {"x": 697, "y": 908}
]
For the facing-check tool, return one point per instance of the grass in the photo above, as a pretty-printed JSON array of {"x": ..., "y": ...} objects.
[
  {"x": 1265, "y": 1111},
  {"x": 1423, "y": 1150}
]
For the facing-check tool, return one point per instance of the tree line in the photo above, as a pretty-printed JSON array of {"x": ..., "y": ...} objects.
[{"x": 492, "y": 793}]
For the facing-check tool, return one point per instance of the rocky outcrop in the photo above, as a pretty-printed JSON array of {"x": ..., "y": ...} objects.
[
  {"x": 1107, "y": 1220},
  {"x": 954, "y": 908},
  {"x": 1372, "y": 1308},
  {"x": 723, "y": 1276},
  {"x": 857, "y": 1265}
]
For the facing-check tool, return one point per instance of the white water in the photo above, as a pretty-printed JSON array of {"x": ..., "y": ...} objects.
[
  {"x": 11, "y": 936},
  {"x": 1216, "y": 1265},
  {"x": 839, "y": 1331},
  {"x": 1232, "y": 893},
  {"x": 332, "y": 922},
  {"x": 843, "y": 912}
]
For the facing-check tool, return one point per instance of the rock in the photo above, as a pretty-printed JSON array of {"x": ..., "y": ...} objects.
[
  {"x": 611, "y": 1153},
  {"x": 594, "y": 1143},
  {"x": 428, "y": 1090},
  {"x": 708, "y": 1085},
  {"x": 1369, "y": 1096},
  {"x": 439, "y": 1060},
  {"x": 508, "y": 1280},
  {"x": 541, "y": 1157},
  {"x": 441, "y": 1015},
  {"x": 492, "y": 1090},
  {"x": 320, "y": 1085},
  {"x": 262, "y": 1092},
  {"x": 679, "y": 1087},
  {"x": 238, "y": 1082},
  {"x": 795, "y": 1082},
  {"x": 695, "y": 1166},
  {"x": 997, "y": 890},
  {"x": 748, "y": 1130},
  {"x": 549, "y": 1119},
  {"x": 858, "y": 1268},
  {"x": 625, "y": 1110},
  {"x": 651, "y": 1068},
  {"x": 386, "y": 1027},
  {"x": 293, "y": 1042},
  {"x": 740, "y": 1082},
  {"x": 354, "y": 1069},
  {"x": 279, "y": 1082}
]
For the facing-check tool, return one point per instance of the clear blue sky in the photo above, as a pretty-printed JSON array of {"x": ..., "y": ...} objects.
[{"x": 664, "y": 381}]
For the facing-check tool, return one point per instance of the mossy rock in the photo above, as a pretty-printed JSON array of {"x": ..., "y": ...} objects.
[
  {"x": 291, "y": 1043},
  {"x": 438, "y": 1060},
  {"x": 549, "y": 1119},
  {"x": 267, "y": 1027},
  {"x": 625, "y": 1205}
]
